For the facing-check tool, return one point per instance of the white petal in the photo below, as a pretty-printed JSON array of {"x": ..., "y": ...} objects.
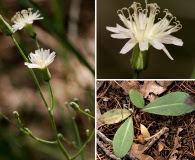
[
  {"x": 172, "y": 40},
  {"x": 31, "y": 65},
  {"x": 156, "y": 44},
  {"x": 112, "y": 29},
  {"x": 167, "y": 53},
  {"x": 124, "y": 31},
  {"x": 119, "y": 36},
  {"x": 143, "y": 46},
  {"x": 128, "y": 46},
  {"x": 124, "y": 20}
]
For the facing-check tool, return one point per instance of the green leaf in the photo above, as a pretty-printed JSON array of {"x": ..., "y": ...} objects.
[
  {"x": 136, "y": 98},
  {"x": 173, "y": 104},
  {"x": 114, "y": 116},
  {"x": 123, "y": 138}
]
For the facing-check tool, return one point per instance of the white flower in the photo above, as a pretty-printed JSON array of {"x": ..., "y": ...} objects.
[
  {"x": 23, "y": 18},
  {"x": 41, "y": 59},
  {"x": 141, "y": 28}
]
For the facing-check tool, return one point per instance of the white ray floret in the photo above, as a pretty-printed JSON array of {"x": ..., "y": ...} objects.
[
  {"x": 143, "y": 29},
  {"x": 23, "y": 18},
  {"x": 40, "y": 59}
]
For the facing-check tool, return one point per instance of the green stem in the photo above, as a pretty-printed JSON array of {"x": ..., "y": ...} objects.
[
  {"x": 32, "y": 72},
  {"x": 37, "y": 43},
  {"x": 56, "y": 135},
  {"x": 23, "y": 130},
  {"x": 85, "y": 144},
  {"x": 135, "y": 75},
  {"x": 54, "y": 124},
  {"x": 87, "y": 114},
  {"x": 51, "y": 97},
  {"x": 77, "y": 134}
]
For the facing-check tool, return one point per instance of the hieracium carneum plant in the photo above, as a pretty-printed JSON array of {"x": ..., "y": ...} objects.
[
  {"x": 144, "y": 30},
  {"x": 40, "y": 59},
  {"x": 172, "y": 104}
]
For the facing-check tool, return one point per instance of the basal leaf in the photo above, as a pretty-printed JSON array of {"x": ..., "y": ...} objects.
[
  {"x": 136, "y": 98},
  {"x": 173, "y": 104},
  {"x": 123, "y": 138},
  {"x": 114, "y": 116}
]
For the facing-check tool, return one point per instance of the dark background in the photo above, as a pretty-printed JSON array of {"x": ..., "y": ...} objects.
[{"x": 113, "y": 65}]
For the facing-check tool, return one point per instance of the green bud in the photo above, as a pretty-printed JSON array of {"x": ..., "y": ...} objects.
[
  {"x": 76, "y": 100},
  {"x": 30, "y": 30},
  {"x": 74, "y": 106},
  {"x": 139, "y": 60},
  {"x": 46, "y": 74},
  {"x": 16, "y": 114},
  {"x": 5, "y": 27},
  {"x": 87, "y": 132},
  {"x": 66, "y": 104},
  {"x": 87, "y": 111}
]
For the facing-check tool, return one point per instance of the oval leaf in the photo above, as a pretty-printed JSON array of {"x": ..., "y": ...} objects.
[
  {"x": 136, "y": 98},
  {"x": 114, "y": 116},
  {"x": 173, "y": 104},
  {"x": 123, "y": 138}
]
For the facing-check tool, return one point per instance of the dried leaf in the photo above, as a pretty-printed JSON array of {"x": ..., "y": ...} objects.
[
  {"x": 144, "y": 131},
  {"x": 137, "y": 150},
  {"x": 114, "y": 116}
]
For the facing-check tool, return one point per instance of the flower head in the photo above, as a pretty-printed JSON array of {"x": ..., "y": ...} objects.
[
  {"x": 23, "y": 18},
  {"x": 41, "y": 59},
  {"x": 143, "y": 29}
]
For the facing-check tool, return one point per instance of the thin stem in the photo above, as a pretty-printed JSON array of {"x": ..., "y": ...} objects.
[
  {"x": 87, "y": 114},
  {"x": 135, "y": 75},
  {"x": 23, "y": 130},
  {"x": 20, "y": 50},
  {"x": 77, "y": 134},
  {"x": 51, "y": 97},
  {"x": 85, "y": 144},
  {"x": 32, "y": 72},
  {"x": 54, "y": 124},
  {"x": 56, "y": 135},
  {"x": 37, "y": 43}
]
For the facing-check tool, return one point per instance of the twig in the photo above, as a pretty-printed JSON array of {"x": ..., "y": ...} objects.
[
  {"x": 106, "y": 151},
  {"x": 107, "y": 140},
  {"x": 104, "y": 138},
  {"x": 156, "y": 137}
]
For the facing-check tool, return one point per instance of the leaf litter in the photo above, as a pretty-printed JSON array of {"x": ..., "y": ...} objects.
[{"x": 177, "y": 143}]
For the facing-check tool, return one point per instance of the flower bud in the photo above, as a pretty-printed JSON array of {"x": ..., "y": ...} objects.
[
  {"x": 5, "y": 27},
  {"x": 74, "y": 106},
  {"x": 76, "y": 100},
  {"x": 16, "y": 114},
  {"x": 87, "y": 132},
  {"x": 139, "y": 60},
  {"x": 87, "y": 111}
]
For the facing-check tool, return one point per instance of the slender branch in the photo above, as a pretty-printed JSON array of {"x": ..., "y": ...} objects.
[
  {"x": 85, "y": 144},
  {"x": 32, "y": 72},
  {"x": 23, "y": 130},
  {"x": 51, "y": 97},
  {"x": 54, "y": 124},
  {"x": 37, "y": 43},
  {"x": 56, "y": 135},
  {"x": 87, "y": 114},
  {"x": 77, "y": 133}
]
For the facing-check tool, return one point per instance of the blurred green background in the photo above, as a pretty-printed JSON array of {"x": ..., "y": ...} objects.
[
  {"x": 67, "y": 29},
  {"x": 112, "y": 65}
]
